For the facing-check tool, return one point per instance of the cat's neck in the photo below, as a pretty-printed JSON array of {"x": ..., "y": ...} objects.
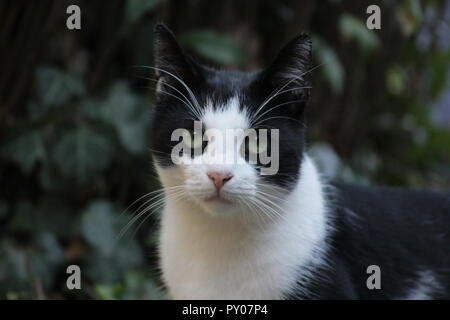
[{"x": 197, "y": 248}]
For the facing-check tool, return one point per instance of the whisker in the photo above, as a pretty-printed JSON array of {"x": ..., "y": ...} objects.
[
  {"x": 277, "y": 106},
  {"x": 187, "y": 102},
  {"x": 157, "y": 151},
  {"x": 145, "y": 195},
  {"x": 194, "y": 99},
  {"x": 253, "y": 211},
  {"x": 277, "y": 117},
  {"x": 178, "y": 98},
  {"x": 159, "y": 200},
  {"x": 271, "y": 95},
  {"x": 157, "y": 208},
  {"x": 135, "y": 218},
  {"x": 257, "y": 203},
  {"x": 275, "y": 95}
]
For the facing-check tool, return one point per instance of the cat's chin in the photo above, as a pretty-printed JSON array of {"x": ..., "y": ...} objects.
[
  {"x": 218, "y": 199},
  {"x": 219, "y": 206}
]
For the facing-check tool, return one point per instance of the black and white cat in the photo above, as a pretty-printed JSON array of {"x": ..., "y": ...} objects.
[{"x": 229, "y": 232}]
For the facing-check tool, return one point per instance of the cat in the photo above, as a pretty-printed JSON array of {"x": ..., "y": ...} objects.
[{"x": 230, "y": 232}]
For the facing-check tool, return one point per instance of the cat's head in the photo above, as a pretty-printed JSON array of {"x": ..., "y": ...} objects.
[{"x": 245, "y": 131}]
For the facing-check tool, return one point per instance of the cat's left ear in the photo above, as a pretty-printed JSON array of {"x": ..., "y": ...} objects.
[
  {"x": 171, "y": 62},
  {"x": 291, "y": 70}
]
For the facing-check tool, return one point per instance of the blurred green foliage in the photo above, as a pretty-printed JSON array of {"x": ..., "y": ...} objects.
[
  {"x": 75, "y": 116},
  {"x": 213, "y": 46}
]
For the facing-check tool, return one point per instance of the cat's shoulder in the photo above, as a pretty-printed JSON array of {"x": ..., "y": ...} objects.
[{"x": 393, "y": 199}]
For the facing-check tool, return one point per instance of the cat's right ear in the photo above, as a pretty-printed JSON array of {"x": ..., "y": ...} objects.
[
  {"x": 291, "y": 68},
  {"x": 172, "y": 65}
]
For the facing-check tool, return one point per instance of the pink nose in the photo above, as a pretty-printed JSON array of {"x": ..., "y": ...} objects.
[{"x": 219, "y": 178}]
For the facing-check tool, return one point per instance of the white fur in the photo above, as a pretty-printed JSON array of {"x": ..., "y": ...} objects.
[
  {"x": 218, "y": 251},
  {"x": 425, "y": 287}
]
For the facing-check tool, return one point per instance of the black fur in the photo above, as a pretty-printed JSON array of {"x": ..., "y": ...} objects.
[{"x": 404, "y": 232}]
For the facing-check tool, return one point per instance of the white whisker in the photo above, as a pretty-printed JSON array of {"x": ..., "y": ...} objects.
[
  {"x": 279, "y": 91},
  {"x": 160, "y": 197},
  {"x": 191, "y": 94}
]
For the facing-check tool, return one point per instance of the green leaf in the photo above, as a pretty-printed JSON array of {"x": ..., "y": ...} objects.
[
  {"x": 97, "y": 227},
  {"x": 331, "y": 67},
  {"x": 107, "y": 292},
  {"x": 13, "y": 273},
  {"x": 50, "y": 177},
  {"x": 353, "y": 28},
  {"x": 135, "y": 9},
  {"x": 23, "y": 219},
  {"x": 410, "y": 16},
  {"x": 140, "y": 285},
  {"x": 111, "y": 269},
  {"x": 82, "y": 152},
  {"x": 49, "y": 215},
  {"x": 90, "y": 108},
  {"x": 25, "y": 150},
  {"x": 440, "y": 63},
  {"x": 128, "y": 114},
  {"x": 217, "y": 47},
  {"x": 57, "y": 87},
  {"x": 127, "y": 255},
  {"x": 395, "y": 80},
  {"x": 46, "y": 256},
  {"x": 132, "y": 133}
]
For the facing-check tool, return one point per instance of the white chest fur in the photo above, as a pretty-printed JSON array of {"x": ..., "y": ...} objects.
[{"x": 206, "y": 257}]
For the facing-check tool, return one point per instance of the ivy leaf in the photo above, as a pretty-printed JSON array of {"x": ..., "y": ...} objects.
[
  {"x": 118, "y": 105},
  {"x": 57, "y": 87},
  {"x": 140, "y": 285},
  {"x": 331, "y": 67},
  {"x": 13, "y": 273},
  {"x": 395, "y": 80},
  {"x": 50, "y": 215},
  {"x": 132, "y": 133},
  {"x": 410, "y": 16},
  {"x": 25, "y": 150},
  {"x": 124, "y": 255},
  {"x": 217, "y": 47},
  {"x": 105, "y": 292},
  {"x": 46, "y": 256},
  {"x": 135, "y": 9},
  {"x": 82, "y": 152},
  {"x": 354, "y": 29},
  {"x": 128, "y": 114},
  {"x": 90, "y": 108},
  {"x": 97, "y": 227}
]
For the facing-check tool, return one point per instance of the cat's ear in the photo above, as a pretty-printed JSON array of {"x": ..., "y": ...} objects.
[
  {"x": 290, "y": 72},
  {"x": 172, "y": 65}
]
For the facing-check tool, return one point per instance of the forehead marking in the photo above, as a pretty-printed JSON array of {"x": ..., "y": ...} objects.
[{"x": 226, "y": 116}]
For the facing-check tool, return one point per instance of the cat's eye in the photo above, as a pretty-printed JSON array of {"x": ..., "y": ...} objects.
[
  {"x": 256, "y": 145},
  {"x": 192, "y": 139}
]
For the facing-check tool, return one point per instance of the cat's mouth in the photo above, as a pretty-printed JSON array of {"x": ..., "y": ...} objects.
[{"x": 218, "y": 198}]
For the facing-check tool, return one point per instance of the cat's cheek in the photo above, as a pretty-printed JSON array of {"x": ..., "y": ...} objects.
[{"x": 171, "y": 176}]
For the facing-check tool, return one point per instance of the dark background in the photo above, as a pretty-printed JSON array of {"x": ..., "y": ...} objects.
[{"x": 75, "y": 113}]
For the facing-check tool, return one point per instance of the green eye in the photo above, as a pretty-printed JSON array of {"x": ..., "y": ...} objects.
[
  {"x": 192, "y": 139},
  {"x": 256, "y": 146}
]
